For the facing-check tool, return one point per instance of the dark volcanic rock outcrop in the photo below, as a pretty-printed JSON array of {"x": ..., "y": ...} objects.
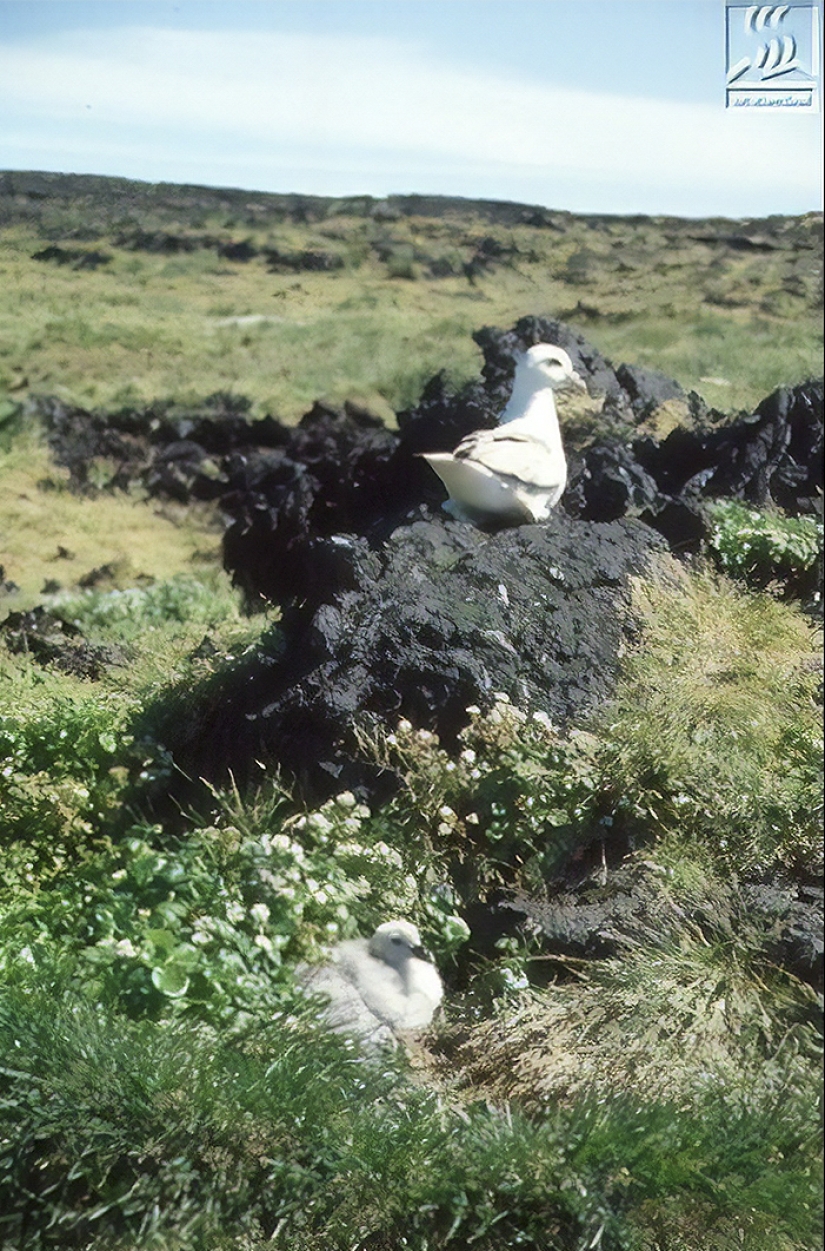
[
  {"x": 362, "y": 481},
  {"x": 439, "y": 617},
  {"x": 391, "y": 610},
  {"x": 772, "y": 456},
  {"x": 340, "y": 471},
  {"x": 606, "y": 912}
]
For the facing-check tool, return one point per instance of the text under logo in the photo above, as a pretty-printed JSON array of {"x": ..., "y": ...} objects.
[{"x": 773, "y": 56}]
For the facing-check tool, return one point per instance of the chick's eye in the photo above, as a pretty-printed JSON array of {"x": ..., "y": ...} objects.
[{"x": 397, "y": 940}]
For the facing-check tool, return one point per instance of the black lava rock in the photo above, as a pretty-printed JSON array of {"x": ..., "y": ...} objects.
[
  {"x": 439, "y": 617},
  {"x": 50, "y": 640},
  {"x": 340, "y": 471},
  {"x": 608, "y": 910}
]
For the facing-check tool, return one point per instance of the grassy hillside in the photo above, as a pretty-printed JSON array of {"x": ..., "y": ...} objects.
[
  {"x": 163, "y": 1084},
  {"x": 142, "y": 292}
]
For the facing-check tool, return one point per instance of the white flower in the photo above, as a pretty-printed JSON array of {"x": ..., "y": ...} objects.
[
  {"x": 351, "y": 849},
  {"x": 501, "y": 697},
  {"x": 320, "y": 824},
  {"x": 259, "y": 913},
  {"x": 124, "y": 948},
  {"x": 446, "y": 812},
  {"x": 456, "y": 929},
  {"x": 235, "y": 912},
  {"x": 387, "y": 853},
  {"x": 473, "y": 710},
  {"x": 468, "y": 755},
  {"x": 265, "y": 944},
  {"x": 346, "y": 800},
  {"x": 279, "y": 842},
  {"x": 513, "y": 980},
  {"x": 404, "y": 726}
]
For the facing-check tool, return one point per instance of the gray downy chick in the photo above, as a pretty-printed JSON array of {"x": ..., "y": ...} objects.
[{"x": 380, "y": 987}]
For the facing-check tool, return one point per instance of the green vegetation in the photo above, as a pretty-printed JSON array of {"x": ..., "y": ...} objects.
[
  {"x": 163, "y": 1083},
  {"x": 765, "y": 548},
  {"x": 367, "y": 300},
  {"x": 131, "y": 1136}
]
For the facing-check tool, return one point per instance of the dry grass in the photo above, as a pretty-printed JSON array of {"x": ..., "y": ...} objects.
[
  {"x": 51, "y": 535},
  {"x": 675, "y": 1022}
]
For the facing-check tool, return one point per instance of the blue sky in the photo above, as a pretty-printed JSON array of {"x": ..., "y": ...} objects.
[{"x": 610, "y": 106}]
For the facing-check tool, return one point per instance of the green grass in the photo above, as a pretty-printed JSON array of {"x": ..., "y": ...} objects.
[
  {"x": 147, "y": 325},
  {"x": 732, "y": 359},
  {"x": 720, "y": 737},
  {"x": 127, "y": 1135},
  {"x": 660, "y": 1101},
  {"x": 690, "y": 1010}
]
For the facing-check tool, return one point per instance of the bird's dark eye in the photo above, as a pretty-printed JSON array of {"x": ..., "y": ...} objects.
[{"x": 397, "y": 939}]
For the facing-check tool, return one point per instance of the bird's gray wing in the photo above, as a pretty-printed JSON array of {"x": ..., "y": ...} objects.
[{"x": 518, "y": 456}]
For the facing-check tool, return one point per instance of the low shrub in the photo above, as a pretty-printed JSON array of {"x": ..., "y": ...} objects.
[
  {"x": 62, "y": 751},
  {"x": 208, "y": 924},
  {"x": 767, "y": 548},
  {"x": 200, "y": 602},
  {"x": 513, "y": 804}
]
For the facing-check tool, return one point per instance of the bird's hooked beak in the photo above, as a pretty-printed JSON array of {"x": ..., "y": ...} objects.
[
  {"x": 575, "y": 382},
  {"x": 421, "y": 953}
]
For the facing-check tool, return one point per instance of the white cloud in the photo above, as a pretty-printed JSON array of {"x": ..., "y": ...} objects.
[{"x": 241, "y": 101}]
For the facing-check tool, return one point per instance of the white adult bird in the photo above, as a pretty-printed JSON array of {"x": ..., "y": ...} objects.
[
  {"x": 518, "y": 471},
  {"x": 380, "y": 986}
]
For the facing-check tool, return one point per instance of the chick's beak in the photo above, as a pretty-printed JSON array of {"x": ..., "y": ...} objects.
[
  {"x": 576, "y": 382},
  {"x": 421, "y": 953}
]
